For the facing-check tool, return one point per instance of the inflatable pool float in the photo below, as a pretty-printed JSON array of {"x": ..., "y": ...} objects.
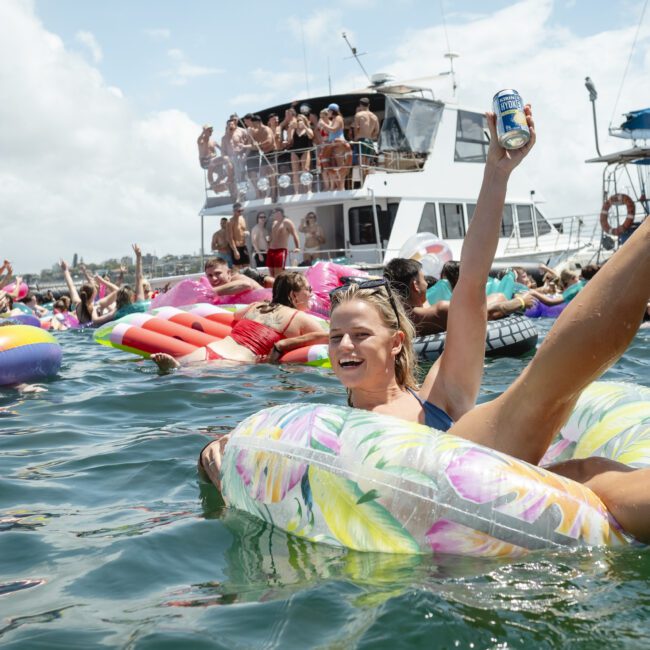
[
  {"x": 540, "y": 310},
  {"x": 27, "y": 354},
  {"x": 179, "y": 332},
  {"x": 23, "y": 289},
  {"x": 506, "y": 337},
  {"x": 368, "y": 482},
  {"x": 21, "y": 319}
]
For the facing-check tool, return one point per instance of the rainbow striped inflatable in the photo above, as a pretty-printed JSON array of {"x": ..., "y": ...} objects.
[{"x": 179, "y": 332}]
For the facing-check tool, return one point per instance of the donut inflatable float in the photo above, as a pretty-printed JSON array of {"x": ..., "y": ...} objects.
[
  {"x": 27, "y": 354},
  {"x": 507, "y": 337},
  {"x": 368, "y": 482}
]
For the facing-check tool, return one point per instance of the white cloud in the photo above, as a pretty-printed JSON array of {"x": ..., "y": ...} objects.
[
  {"x": 79, "y": 171},
  {"x": 88, "y": 40},
  {"x": 158, "y": 33},
  {"x": 182, "y": 70},
  {"x": 316, "y": 27}
]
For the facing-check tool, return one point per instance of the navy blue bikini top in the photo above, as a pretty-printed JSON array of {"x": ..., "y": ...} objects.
[{"x": 434, "y": 416}]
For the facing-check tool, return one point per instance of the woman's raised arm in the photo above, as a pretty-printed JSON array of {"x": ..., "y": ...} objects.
[{"x": 454, "y": 380}]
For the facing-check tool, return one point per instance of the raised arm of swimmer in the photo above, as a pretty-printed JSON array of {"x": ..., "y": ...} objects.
[
  {"x": 74, "y": 294},
  {"x": 139, "y": 287},
  {"x": 453, "y": 382}
]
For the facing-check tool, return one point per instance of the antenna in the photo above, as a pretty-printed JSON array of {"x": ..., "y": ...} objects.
[
  {"x": 329, "y": 75},
  {"x": 451, "y": 56},
  {"x": 356, "y": 56}
]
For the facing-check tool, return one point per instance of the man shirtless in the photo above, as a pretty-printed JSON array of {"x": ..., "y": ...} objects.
[
  {"x": 282, "y": 227},
  {"x": 210, "y": 161},
  {"x": 262, "y": 152},
  {"x": 234, "y": 145},
  {"x": 366, "y": 132},
  {"x": 224, "y": 281},
  {"x": 221, "y": 242},
  {"x": 237, "y": 234}
]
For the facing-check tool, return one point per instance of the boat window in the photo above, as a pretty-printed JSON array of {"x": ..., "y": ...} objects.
[
  {"x": 525, "y": 219},
  {"x": 470, "y": 207},
  {"x": 471, "y": 139},
  {"x": 410, "y": 124},
  {"x": 362, "y": 224},
  {"x": 428, "y": 219},
  {"x": 506, "y": 218},
  {"x": 543, "y": 226},
  {"x": 451, "y": 220},
  {"x": 507, "y": 221}
]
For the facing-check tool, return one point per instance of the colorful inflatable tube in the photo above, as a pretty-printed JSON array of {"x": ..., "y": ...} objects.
[
  {"x": 21, "y": 319},
  {"x": 27, "y": 354},
  {"x": 368, "y": 482},
  {"x": 506, "y": 337},
  {"x": 540, "y": 310},
  {"x": 178, "y": 332}
]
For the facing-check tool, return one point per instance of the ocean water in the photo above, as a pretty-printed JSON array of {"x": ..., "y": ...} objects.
[{"x": 108, "y": 539}]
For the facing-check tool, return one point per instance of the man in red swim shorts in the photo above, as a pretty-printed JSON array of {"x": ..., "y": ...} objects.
[{"x": 281, "y": 229}]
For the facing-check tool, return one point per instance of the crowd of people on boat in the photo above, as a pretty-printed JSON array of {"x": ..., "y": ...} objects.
[{"x": 290, "y": 155}]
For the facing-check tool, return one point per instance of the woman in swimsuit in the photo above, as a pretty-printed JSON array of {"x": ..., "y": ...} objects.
[
  {"x": 300, "y": 139},
  {"x": 263, "y": 331},
  {"x": 370, "y": 341},
  {"x": 337, "y": 153}
]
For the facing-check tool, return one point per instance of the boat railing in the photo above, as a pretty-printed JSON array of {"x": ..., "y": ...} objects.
[
  {"x": 333, "y": 166},
  {"x": 570, "y": 232}
]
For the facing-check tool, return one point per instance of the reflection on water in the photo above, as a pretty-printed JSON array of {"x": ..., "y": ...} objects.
[{"x": 109, "y": 539}]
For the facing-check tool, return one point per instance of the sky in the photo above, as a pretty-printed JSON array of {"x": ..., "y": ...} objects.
[{"x": 102, "y": 102}]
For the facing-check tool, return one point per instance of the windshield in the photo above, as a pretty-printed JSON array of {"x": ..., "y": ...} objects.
[{"x": 410, "y": 124}]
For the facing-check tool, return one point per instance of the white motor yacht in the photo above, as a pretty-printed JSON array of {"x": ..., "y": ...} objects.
[{"x": 424, "y": 176}]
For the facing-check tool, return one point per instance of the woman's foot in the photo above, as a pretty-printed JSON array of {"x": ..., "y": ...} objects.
[{"x": 165, "y": 361}]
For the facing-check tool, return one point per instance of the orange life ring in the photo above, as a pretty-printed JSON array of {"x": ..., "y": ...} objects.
[{"x": 617, "y": 199}]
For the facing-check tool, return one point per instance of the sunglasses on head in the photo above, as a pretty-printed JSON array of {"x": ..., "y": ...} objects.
[{"x": 380, "y": 283}]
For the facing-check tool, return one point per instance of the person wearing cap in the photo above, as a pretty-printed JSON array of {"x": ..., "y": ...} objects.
[
  {"x": 210, "y": 161},
  {"x": 336, "y": 155},
  {"x": 366, "y": 131},
  {"x": 335, "y": 125}
]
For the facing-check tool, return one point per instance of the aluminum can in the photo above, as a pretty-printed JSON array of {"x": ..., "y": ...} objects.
[{"x": 512, "y": 129}]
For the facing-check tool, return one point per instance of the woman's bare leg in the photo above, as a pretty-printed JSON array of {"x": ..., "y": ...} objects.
[
  {"x": 624, "y": 490},
  {"x": 295, "y": 172},
  {"x": 588, "y": 337}
]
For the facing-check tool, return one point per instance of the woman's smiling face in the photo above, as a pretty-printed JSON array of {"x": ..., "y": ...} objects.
[{"x": 361, "y": 348}]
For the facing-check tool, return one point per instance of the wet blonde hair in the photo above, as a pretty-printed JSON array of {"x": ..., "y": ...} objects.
[{"x": 405, "y": 361}]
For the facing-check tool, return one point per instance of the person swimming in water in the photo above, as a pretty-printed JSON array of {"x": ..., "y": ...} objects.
[
  {"x": 263, "y": 331},
  {"x": 371, "y": 354}
]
